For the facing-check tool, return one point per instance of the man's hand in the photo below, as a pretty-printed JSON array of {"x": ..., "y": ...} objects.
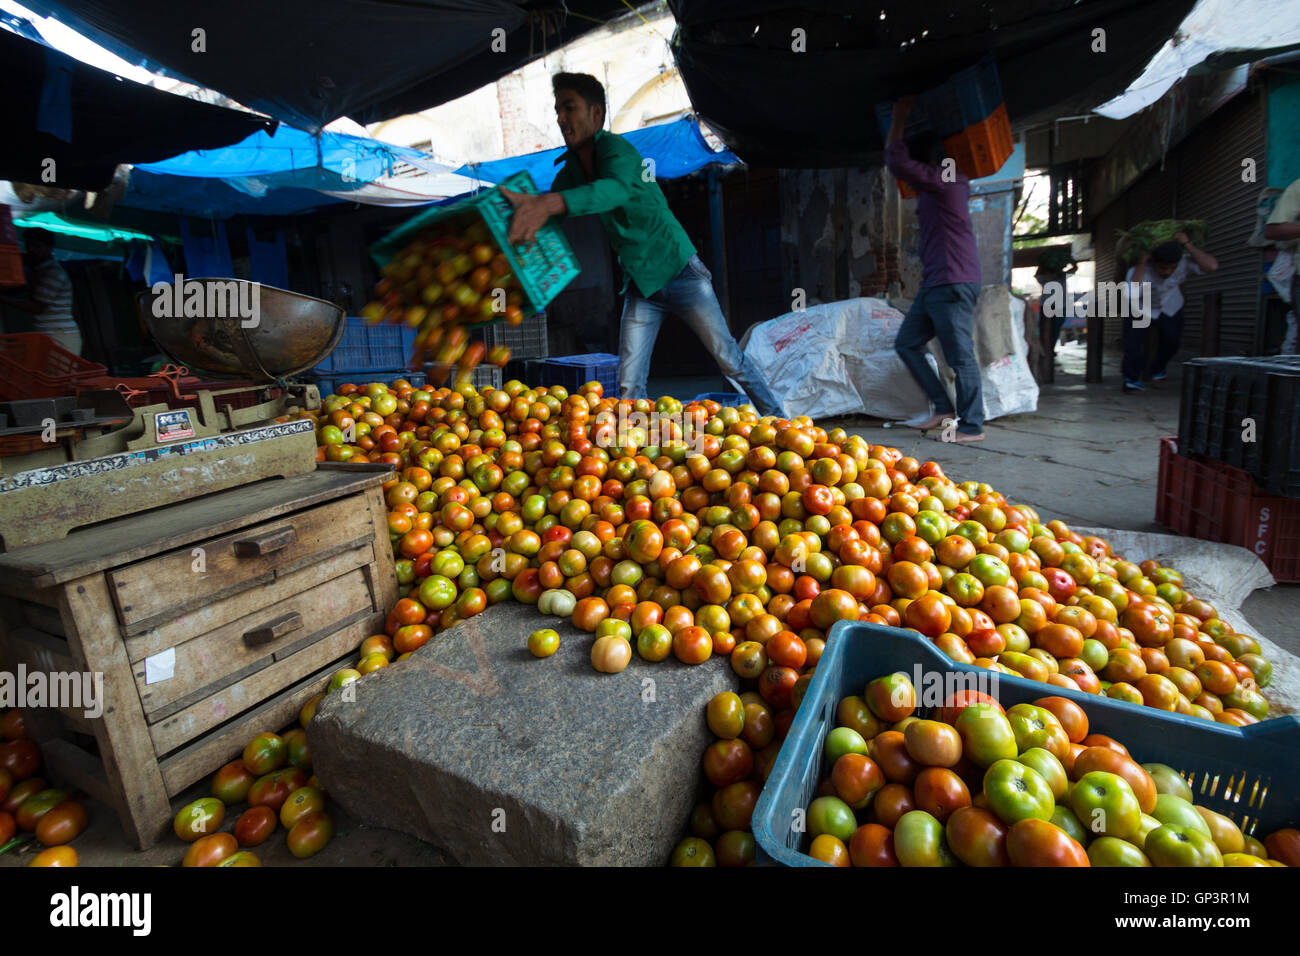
[
  {"x": 1182, "y": 238},
  {"x": 903, "y": 106},
  {"x": 531, "y": 213}
]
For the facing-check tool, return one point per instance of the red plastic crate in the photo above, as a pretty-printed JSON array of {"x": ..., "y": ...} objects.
[
  {"x": 33, "y": 365},
  {"x": 11, "y": 266},
  {"x": 1216, "y": 502},
  {"x": 981, "y": 148}
]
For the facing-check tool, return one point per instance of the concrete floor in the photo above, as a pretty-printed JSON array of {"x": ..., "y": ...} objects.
[{"x": 1088, "y": 456}]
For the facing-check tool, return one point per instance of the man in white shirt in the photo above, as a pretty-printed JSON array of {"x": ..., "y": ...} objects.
[
  {"x": 1165, "y": 270},
  {"x": 50, "y": 292},
  {"x": 1283, "y": 227}
]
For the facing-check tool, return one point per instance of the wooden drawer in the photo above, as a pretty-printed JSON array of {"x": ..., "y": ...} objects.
[
  {"x": 158, "y": 590},
  {"x": 224, "y": 656},
  {"x": 183, "y": 627},
  {"x": 183, "y": 727}
]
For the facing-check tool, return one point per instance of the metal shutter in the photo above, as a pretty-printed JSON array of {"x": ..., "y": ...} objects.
[{"x": 1210, "y": 187}]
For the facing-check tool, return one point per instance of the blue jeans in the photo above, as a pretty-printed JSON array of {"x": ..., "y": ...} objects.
[
  {"x": 948, "y": 312},
  {"x": 689, "y": 296},
  {"x": 1169, "y": 333}
]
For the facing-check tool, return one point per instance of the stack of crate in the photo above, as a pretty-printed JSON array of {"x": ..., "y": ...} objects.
[{"x": 1234, "y": 473}]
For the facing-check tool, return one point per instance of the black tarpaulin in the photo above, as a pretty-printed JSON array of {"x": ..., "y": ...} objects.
[
  {"x": 774, "y": 106},
  {"x": 308, "y": 62},
  {"x": 88, "y": 121}
]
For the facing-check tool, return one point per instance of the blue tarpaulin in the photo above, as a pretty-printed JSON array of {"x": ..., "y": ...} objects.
[{"x": 677, "y": 148}]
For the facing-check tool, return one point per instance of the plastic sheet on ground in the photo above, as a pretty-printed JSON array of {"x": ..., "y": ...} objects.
[
  {"x": 1225, "y": 575},
  {"x": 838, "y": 359}
]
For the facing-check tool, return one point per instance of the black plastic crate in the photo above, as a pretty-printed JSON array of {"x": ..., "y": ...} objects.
[
  {"x": 1220, "y": 395},
  {"x": 527, "y": 340}
]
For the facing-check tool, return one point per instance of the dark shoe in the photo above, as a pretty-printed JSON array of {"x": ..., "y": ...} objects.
[
  {"x": 1131, "y": 386},
  {"x": 1159, "y": 376}
]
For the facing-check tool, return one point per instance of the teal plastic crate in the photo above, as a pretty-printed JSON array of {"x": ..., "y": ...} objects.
[
  {"x": 725, "y": 399},
  {"x": 1251, "y": 774},
  {"x": 543, "y": 267}
]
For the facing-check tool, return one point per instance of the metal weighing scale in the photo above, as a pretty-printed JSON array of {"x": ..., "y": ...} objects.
[{"x": 100, "y": 459}]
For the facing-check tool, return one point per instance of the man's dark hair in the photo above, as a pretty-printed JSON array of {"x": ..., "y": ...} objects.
[
  {"x": 584, "y": 84},
  {"x": 926, "y": 148},
  {"x": 1167, "y": 253}
]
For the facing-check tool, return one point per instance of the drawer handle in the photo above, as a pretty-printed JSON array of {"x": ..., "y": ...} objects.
[
  {"x": 265, "y": 543},
  {"x": 273, "y": 630}
]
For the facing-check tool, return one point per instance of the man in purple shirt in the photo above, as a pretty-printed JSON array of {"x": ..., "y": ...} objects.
[{"x": 950, "y": 280}]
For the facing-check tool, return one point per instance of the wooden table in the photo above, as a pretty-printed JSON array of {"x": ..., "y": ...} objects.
[{"x": 210, "y": 621}]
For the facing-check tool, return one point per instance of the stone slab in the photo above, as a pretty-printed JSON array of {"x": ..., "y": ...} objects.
[{"x": 497, "y": 757}]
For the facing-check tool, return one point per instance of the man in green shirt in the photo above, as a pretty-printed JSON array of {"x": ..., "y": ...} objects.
[{"x": 603, "y": 174}]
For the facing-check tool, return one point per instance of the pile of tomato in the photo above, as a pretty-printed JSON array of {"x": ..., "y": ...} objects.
[
  {"x": 272, "y": 777},
  {"x": 29, "y": 805},
  {"x": 449, "y": 277},
  {"x": 980, "y": 786}
]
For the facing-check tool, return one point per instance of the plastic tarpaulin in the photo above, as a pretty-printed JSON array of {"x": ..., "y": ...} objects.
[
  {"x": 307, "y": 62},
  {"x": 77, "y": 122},
  {"x": 208, "y": 198},
  {"x": 781, "y": 99},
  {"x": 1214, "y": 26},
  {"x": 676, "y": 148}
]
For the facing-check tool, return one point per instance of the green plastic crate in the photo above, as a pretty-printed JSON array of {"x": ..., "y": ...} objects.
[{"x": 543, "y": 267}]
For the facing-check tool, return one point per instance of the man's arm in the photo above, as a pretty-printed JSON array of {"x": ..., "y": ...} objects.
[
  {"x": 623, "y": 168},
  {"x": 1284, "y": 224},
  {"x": 1139, "y": 271},
  {"x": 1204, "y": 261},
  {"x": 1282, "y": 231},
  {"x": 898, "y": 162}
]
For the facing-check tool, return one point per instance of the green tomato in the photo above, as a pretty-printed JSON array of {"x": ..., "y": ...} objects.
[
  {"x": 986, "y": 735},
  {"x": 627, "y": 572},
  {"x": 1174, "y": 845},
  {"x": 1015, "y": 541},
  {"x": 437, "y": 592},
  {"x": 654, "y": 643},
  {"x": 841, "y": 741},
  {"x": 831, "y": 815},
  {"x": 1016, "y": 792},
  {"x": 990, "y": 570},
  {"x": 614, "y": 627},
  {"x": 1172, "y": 809},
  {"x": 931, "y": 526},
  {"x": 1063, "y": 818},
  {"x": 1035, "y": 727},
  {"x": 1259, "y": 666},
  {"x": 447, "y": 563},
  {"x": 693, "y": 852},
  {"x": 1112, "y": 851},
  {"x": 1168, "y": 780},
  {"x": 343, "y": 677},
  {"x": 557, "y": 602},
  {"x": 1050, "y": 769},
  {"x": 1148, "y": 824},
  {"x": 965, "y": 589},
  {"x": 1248, "y": 699},
  {"x": 919, "y": 840},
  {"x": 1106, "y": 805},
  {"x": 1095, "y": 654},
  {"x": 1015, "y": 636},
  {"x": 544, "y": 642}
]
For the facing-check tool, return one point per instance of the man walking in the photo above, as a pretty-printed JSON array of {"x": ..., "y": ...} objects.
[
  {"x": 50, "y": 294},
  {"x": 1166, "y": 268},
  {"x": 1283, "y": 227},
  {"x": 950, "y": 280},
  {"x": 604, "y": 174}
]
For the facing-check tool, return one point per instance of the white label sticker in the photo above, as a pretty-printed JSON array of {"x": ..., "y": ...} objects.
[{"x": 160, "y": 667}]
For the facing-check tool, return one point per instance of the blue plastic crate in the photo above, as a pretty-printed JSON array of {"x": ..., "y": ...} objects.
[
  {"x": 575, "y": 371},
  {"x": 328, "y": 381},
  {"x": 723, "y": 398},
  {"x": 966, "y": 98},
  {"x": 1252, "y": 774},
  {"x": 365, "y": 346}
]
